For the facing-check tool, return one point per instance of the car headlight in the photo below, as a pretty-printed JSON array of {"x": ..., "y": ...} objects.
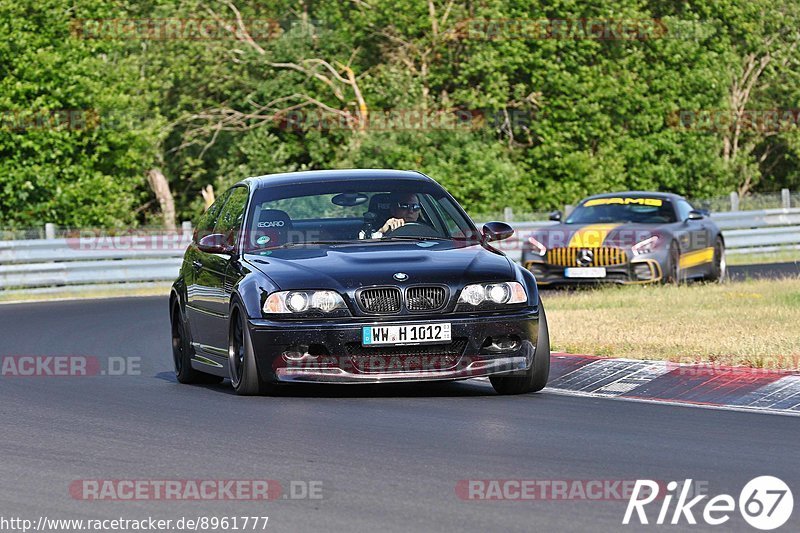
[
  {"x": 538, "y": 248},
  {"x": 288, "y": 302},
  {"x": 646, "y": 246},
  {"x": 510, "y": 292}
]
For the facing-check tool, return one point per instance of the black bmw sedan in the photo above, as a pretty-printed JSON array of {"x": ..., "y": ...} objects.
[{"x": 352, "y": 276}]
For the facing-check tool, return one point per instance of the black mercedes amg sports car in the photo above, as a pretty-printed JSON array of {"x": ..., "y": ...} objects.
[
  {"x": 627, "y": 238},
  {"x": 352, "y": 276}
]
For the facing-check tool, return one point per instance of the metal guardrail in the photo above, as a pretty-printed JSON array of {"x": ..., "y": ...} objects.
[
  {"x": 757, "y": 219},
  {"x": 88, "y": 272},
  {"x": 46, "y": 250},
  {"x": 89, "y": 260},
  {"x": 156, "y": 258}
]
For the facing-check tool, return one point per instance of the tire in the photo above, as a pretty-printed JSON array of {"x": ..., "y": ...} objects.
[
  {"x": 673, "y": 271},
  {"x": 241, "y": 358},
  {"x": 719, "y": 267},
  {"x": 535, "y": 378},
  {"x": 182, "y": 352}
]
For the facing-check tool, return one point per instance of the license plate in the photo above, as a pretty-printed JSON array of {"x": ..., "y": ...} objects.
[
  {"x": 405, "y": 334},
  {"x": 591, "y": 272}
]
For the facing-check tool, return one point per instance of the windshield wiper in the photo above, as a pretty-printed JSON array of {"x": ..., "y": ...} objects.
[
  {"x": 305, "y": 243},
  {"x": 409, "y": 238},
  {"x": 312, "y": 243}
]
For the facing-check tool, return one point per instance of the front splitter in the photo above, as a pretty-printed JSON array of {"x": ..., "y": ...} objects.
[{"x": 478, "y": 368}]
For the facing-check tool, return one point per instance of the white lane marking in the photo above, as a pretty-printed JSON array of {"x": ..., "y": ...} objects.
[
  {"x": 589, "y": 375},
  {"x": 611, "y": 376},
  {"x": 773, "y": 393},
  {"x": 765, "y": 400},
  {"x": 673, "y": 403},
  {"x": 642, "y": 375},
  {"x": 678, "y": 403}
]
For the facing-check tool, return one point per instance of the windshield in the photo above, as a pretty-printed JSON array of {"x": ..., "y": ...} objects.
[
  {"x": 623, "y": 210},
  {"x": 345, "y": 211}
]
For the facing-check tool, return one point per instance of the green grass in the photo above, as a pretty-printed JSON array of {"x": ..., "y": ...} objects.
[
  {"x": 85, "y": 292},
  {"x": 751, "y": 323},
  {"x": 784, "y": 256}
]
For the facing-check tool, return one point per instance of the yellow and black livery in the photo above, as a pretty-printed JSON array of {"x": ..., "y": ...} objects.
[{"x": 631, "y": 237}]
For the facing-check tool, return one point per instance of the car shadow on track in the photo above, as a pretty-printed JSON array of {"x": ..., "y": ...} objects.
[
  {"x": 435, "y": 389},
  {"x": 387, "y": 390}
]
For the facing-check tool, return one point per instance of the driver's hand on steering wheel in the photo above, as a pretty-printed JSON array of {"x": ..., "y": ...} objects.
[{"x": 391, "y": 225}]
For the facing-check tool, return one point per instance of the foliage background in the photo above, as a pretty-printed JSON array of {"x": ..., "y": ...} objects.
[{"x": 586, "y": 115}]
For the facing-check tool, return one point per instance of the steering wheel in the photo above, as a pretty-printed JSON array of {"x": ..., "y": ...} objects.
[{"x": 413, "y": 229}]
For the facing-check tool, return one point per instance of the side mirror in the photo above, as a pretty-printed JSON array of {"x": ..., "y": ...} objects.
[
  {"x": 497, "y": 231},
  {"x": 696, "y": 215},
  {"x": 556, "y": 215},
  {"x": 216, "y": 243}
]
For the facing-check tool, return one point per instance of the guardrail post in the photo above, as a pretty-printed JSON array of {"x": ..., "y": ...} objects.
[
  {"x": 49, "y": 231},
  {"x": 186, "y": 227},
  {"x": 508, "y": 214},
  {"x": 786, "y": 199},
  {"x": 734, "y": 201}
]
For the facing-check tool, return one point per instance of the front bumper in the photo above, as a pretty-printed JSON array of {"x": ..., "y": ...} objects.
[
  {"x": 637, "y": 272},
  {"x": 330, "y": 351}
]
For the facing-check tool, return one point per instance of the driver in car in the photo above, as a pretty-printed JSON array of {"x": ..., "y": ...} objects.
[{"x": 405, "y": 207}]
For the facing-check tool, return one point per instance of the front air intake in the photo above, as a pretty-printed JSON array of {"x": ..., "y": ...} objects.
[
  {"x": 380, "y": 300},
  {"x": 425, "y": 298}
]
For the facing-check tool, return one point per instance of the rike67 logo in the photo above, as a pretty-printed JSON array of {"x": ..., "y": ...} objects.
[{"x": 765, "y": 503}]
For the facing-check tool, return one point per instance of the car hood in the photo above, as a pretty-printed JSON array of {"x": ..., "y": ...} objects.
[
  {"x": 595, "y": 235},
  {"x": 346, "y": 267}
]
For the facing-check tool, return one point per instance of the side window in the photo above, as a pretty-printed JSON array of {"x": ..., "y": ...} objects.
[
  {"x": 443, "y": 219},
  {"x": 451, "y": 216},
  {"x": 683, "y": 210},
  {"x": 230, "y": 218},
  {"x": 205, "y": 224}
]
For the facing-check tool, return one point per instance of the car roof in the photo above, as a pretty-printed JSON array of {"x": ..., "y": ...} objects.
[
  {"x": 637, "y": 194},
  {"x": 315, "y": 176}
]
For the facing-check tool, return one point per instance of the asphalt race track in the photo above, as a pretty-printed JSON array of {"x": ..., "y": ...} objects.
[
  {"x": 765, "y": 271},
  {"x": 388, "y": 458}
]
